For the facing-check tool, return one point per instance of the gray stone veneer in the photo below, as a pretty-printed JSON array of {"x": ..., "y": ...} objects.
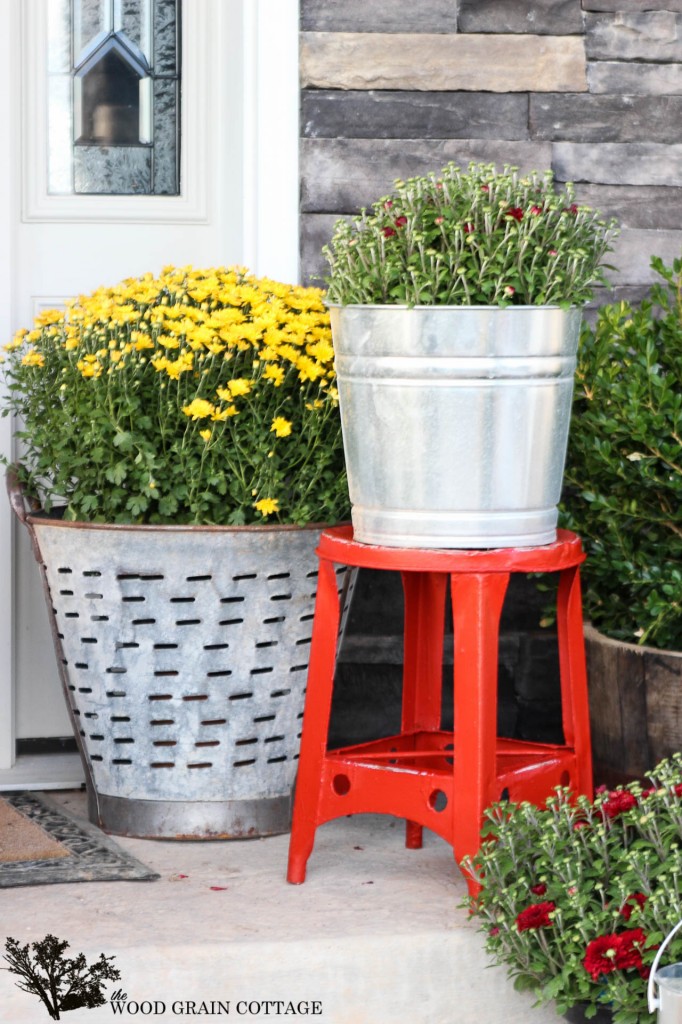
[
  {"x": 394, "y": 88},
  {"x": 590, "y": 88}
]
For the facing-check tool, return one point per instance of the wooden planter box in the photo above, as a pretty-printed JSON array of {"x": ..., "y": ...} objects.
[{"x": 635, "y": 706}]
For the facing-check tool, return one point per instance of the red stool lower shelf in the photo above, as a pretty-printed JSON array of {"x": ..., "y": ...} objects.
[{"x": 434, "y": 778}]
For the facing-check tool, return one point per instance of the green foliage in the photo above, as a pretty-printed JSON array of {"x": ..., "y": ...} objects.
[
  {"x": 476, "y": 237},
  {"x": 623, "y": 480},
  {"x": 577, "y": 897},
  {"x": 195, "y": 397}
]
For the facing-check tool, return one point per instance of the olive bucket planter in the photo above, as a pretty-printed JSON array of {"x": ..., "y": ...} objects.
[
  {"x": 183, "y": 652},
  {"x": 455, "y": 421}
]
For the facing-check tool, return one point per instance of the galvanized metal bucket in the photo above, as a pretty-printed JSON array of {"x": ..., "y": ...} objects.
[
  {"x": 668, "y": 981},
  {"x": 455, "y": 421},
  {"x": 183, "y": 653}
]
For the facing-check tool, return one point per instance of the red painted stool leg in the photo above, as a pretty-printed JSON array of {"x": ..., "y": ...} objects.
[
  {"x": 573, "y": 672},
  {"x": 422, "y": 662},
  {"x": 477, "y": 600},
  {"x": 315, "y": 721}
]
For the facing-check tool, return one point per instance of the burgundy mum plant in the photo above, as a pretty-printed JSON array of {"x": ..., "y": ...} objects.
[
  {"x": 474, "y": 237},
  {"x": 577, "y": 897}
]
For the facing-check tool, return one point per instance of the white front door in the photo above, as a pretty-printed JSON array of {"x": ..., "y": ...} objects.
[{"x": 80, "y": 212}]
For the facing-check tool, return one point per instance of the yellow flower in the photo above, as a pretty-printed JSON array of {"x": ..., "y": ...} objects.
[
  {"x": 281, "y": 427},
  {"x": 239, "y": 386},
  {"x": 275, "y": 374},
  {"x": 198, "y": 409},
  {"x": 322, "y": 351},
  {"x": 50, "y": 316},
  {"x": 290, "y": 353},
  {"x": 89, "y": 367},
  {"x": 309, "y": 370},
  {"x": 224, "y": 414},
  {"x": 235, "y": 388},
  {"x": 182, "y": 364},
  {"x": 33, "y": 358},
  {"x": 17, "y": 341},
  {"x": 266, "y": 506},
  {"x": 206, "y": 434}
]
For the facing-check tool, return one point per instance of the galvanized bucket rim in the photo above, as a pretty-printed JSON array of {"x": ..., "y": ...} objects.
[
  {"x": 17, "y": 496},
  {"x": 401, "y": 307},
  {"x": 45, "y": 520}
]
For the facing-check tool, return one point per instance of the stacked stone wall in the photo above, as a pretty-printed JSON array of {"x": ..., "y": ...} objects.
[
  {"x": 394, "y": 88},
  {"x": 590, "y": 88}
]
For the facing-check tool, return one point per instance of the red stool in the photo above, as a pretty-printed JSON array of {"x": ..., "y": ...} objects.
[{"x": 430, "y": 776}]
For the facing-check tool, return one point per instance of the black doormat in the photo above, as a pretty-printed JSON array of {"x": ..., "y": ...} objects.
[{"x": 92, "y": 856}]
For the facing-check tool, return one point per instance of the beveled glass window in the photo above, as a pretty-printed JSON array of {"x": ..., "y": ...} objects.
[{"x": 114, "y": 97}]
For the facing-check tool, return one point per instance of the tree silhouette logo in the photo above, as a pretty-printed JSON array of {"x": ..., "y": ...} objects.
[{"x": 59, "y": 982}]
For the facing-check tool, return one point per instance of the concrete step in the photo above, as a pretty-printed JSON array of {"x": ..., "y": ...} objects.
[{"x": 374, "y": 936}]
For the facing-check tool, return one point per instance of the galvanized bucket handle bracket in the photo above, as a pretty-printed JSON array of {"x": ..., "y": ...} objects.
[
  {"x": 652, "y": 999},
  {"x": 17, "y": 500}
]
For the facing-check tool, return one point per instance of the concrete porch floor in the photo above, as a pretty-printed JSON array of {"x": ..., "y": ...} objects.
[{"x": 375, "y": 935}]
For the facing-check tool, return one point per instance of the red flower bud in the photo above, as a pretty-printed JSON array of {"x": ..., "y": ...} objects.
[
  {"x": 400, "y": 222},
  {"x": 516, "y": 212},
  {"x": 634, "y": 899},
  {"x": 388, "y": 232}
]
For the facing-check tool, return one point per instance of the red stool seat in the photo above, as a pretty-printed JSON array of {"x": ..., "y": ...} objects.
[{"x": 433, "y": 777}]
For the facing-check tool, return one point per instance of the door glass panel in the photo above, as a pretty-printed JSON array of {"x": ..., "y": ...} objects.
[
  {"x": 114, "y": 97},
  {"x": 110, "y": 104}
]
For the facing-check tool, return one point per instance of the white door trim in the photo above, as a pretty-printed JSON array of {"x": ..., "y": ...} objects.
[
  {"x": 271, "y": 129},
  {"x": 270, "y": 222},
  {"x": 8, "y": 111}
]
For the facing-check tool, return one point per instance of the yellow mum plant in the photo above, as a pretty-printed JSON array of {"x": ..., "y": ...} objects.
[{"x": 199, "y": 396}]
